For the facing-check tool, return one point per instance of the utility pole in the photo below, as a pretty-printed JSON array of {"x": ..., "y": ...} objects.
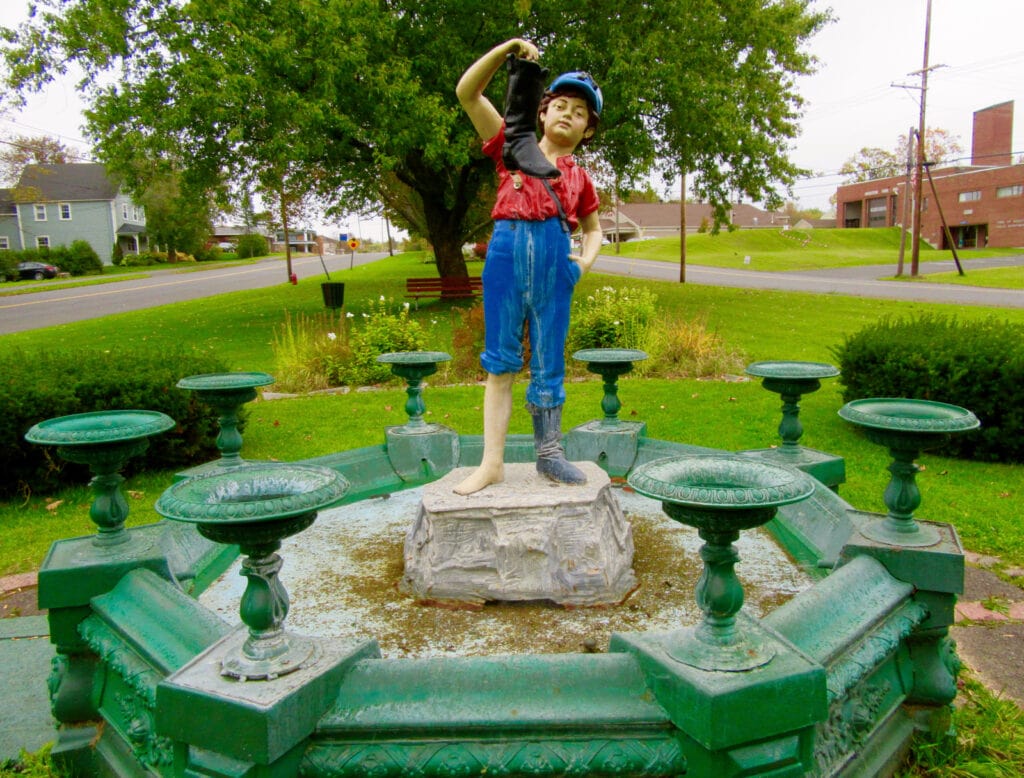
[
  {"x": 908, "y": 197},
  {"x": 682, "y": 227},
  {"x": 915, "y": 247}
]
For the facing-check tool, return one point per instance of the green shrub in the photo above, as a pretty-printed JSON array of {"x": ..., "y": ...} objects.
[
  {"x": 252, "y": 245},
  {"x": 82, "y": 259},
  {"x": 39, "y": 386},
  {"x": 117, "y": 254},
  {"x": 310, "y": 352},
  {"x": 612, "y": 318},
  {"x": 209, "y": 254},
  {"x": 380, "y": 331},
  {"x": 8, "y": 266},
  {"x": 976, "y": 365},
  {"x": 57, "y": 255}
]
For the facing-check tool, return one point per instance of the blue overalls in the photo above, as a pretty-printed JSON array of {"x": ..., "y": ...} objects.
[{"x": 529, "y": 277}]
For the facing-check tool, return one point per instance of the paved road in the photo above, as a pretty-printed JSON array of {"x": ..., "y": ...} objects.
[
  {"x": 159, "y": 287},
  {"x": 856, "y": 281},
  {"x": 61, "y": 306}
]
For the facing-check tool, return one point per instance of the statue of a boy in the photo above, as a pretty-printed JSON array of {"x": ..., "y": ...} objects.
[{"x": 530, "y": 274}]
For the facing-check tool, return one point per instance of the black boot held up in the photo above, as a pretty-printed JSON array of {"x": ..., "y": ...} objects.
[{"x": 525, "y": 90}]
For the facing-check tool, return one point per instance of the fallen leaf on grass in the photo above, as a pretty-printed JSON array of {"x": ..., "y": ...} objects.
[
  {"x": 53, "y": 506},
  {"x": 136, "y": 494}
]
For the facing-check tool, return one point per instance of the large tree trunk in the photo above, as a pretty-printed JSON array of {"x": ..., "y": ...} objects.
[
  {"x": 445, "y": 202},
  {"x": 451, "y": 263}
]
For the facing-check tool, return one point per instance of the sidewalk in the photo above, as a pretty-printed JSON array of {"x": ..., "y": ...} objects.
[
  {"x": 989, "y": 634},
  {"x": 25, "y": 654}
]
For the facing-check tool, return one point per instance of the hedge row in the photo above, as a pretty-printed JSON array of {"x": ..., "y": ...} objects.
[
  {"x": 976, "y": 365},
  {"x": 78, "y": 259},
  {"x": 42, "y": 386}
]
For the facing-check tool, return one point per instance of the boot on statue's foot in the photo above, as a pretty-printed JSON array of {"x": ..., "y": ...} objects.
[
  {"x": 547, "y": 440},
  {"x": 525, "y": 90}
]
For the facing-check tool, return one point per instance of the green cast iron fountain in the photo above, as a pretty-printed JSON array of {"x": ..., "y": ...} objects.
[
  {"x": 256, "y": 508},
  {"x": 720, "y": 496}
]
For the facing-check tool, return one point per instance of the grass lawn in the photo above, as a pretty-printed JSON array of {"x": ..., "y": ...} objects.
[
  {"x": 980, "y": 499},
  {"x": 239, "y": 327},
  {"x": 781, "y": 250}
]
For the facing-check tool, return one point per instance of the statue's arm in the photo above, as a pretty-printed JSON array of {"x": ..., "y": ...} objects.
[{"x": 470, "y": 90}]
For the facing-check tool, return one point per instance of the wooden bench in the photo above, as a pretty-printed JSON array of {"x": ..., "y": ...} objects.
[{"x": 446, "y": 288}]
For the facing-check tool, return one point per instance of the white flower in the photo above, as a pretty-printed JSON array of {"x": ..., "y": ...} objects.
[
  {"x": 616, "y": 322},
  {"x": 405, "y": 305},
  {"x": 366, "y": 315},
  {"x": 382, "y": 298},
  {"x": 331, "y": 336},
  {"x": 350, "y": 315}
]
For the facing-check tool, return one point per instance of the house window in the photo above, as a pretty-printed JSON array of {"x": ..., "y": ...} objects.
[
  {"x": 43, "y": 242},
  {"x": 40, "y": 212},
  {"x": 135, "y": 214},
  {"x": 65, "y": 212},
  {"x": 1016, "y": 190},
  {"x": 124, "y": 211},
  {"x": 4, "y": 244},
  {"x": 970, "y": 197}
]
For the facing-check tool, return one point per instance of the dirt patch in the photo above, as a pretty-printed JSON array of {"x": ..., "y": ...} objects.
[
  {"x": 342, "y": 576},
  {"x": 22, "y": 601}
]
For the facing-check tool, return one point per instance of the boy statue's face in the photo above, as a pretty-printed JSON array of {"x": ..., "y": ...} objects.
[{"x": 565, "y": 120}]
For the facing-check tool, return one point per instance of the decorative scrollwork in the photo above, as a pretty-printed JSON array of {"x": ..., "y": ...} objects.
[{"x": 602, "y": 757}]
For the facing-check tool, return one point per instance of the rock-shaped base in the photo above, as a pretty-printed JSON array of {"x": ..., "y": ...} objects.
[{"x": 525, "y": 539}]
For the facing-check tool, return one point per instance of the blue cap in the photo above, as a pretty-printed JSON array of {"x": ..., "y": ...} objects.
[{"x": 582, "y": 81}]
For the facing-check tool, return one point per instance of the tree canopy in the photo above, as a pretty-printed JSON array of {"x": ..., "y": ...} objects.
[
  {"x": 357, "y": 96},
  {"x": 22, "y": 150},
  {"x": 872, "y": 162}
]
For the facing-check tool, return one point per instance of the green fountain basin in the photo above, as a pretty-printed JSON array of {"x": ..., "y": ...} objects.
[
  {"x": 903, "y": 415},
  {"x": 99, "y": 427}
]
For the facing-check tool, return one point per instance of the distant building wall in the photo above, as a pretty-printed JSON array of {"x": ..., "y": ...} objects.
[
  {"x": 992, "y": 136},
  {"x": 983, "y": 206}
]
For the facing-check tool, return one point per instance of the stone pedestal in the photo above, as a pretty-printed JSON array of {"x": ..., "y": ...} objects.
[{"x": 525, "y": 539}]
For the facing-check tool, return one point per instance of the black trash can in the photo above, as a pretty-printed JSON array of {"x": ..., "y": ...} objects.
[{"x": 334, "y": 293}]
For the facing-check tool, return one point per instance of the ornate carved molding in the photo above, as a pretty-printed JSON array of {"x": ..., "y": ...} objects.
[{"x": 600, "y": 757}]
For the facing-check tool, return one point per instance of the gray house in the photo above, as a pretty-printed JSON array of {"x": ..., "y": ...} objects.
[{"x": 53, "y": 205}]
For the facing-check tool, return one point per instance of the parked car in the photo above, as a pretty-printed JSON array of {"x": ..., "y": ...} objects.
[
  {"x": 225, "y": 245},
  {"x": 37, "y": 270}
]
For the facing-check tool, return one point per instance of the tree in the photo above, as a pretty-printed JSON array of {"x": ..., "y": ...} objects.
[
  {"x": 871, "y": 163},
  {"x": 356, "y": 97},
  {"x": 796, "y": 213},
  {"x": 176, "y": 219},
  {"x": 22, "y": 150}
]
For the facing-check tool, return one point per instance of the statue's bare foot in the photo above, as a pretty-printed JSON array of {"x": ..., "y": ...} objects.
[{"x": 485, "y": 475}]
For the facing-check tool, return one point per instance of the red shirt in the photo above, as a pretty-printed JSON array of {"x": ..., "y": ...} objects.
[{"x": 533, "y": 202}]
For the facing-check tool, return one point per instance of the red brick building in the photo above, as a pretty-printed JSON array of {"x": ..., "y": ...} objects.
[{"x": 983, "y": 202}]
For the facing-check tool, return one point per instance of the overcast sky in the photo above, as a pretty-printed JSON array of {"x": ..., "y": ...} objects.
[{"x": 851, "y": 102}]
